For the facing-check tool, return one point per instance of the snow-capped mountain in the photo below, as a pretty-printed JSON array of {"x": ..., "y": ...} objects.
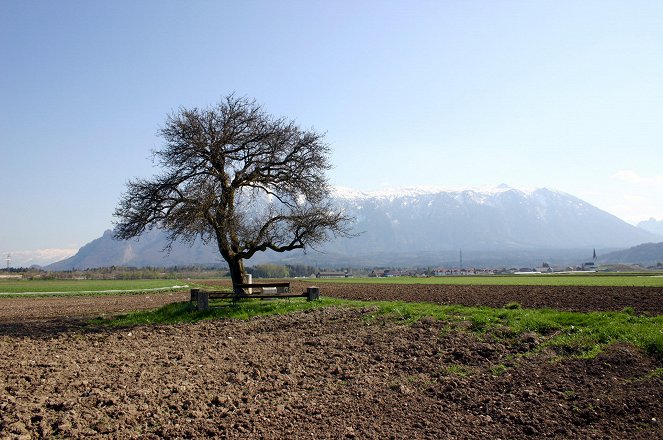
[
  {"x": 433, "y": 219},
  {"x": 423, "y": 225}
]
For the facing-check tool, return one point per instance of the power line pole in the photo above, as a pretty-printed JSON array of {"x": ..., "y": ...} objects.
[{"x": 461, "y": 259}]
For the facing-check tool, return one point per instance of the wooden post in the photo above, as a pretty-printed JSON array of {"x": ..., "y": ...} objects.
[
  {"x": 203, "y": 300},
  {"x": 194, "y": 295},
  {"x": 312, "y": 293},
  {"x": 249, "y": 280}
]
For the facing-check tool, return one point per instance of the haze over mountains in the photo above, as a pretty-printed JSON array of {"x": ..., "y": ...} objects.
[
  {"x": 646, "y": 254},
  {"x": 419, "y": 226},
  {"x": 652, "y": 225}
]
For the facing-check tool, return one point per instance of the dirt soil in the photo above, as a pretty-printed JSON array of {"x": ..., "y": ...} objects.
[
  {"x": 572, "y": 298},
  {"x": 329, "y": 373}
]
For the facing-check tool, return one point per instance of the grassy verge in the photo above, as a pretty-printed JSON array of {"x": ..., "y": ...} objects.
[
  {"x": 582, "y": 334},
  {"x": 569, "y": 333},
  {"x": 85, "y": 287},
  {"x": 27, "y": 296},
  {"x": 185, "y": 312}
]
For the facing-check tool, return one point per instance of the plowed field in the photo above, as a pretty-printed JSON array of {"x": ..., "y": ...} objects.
[
  {"x": 572, "y": 298},
  {"x": 327, "y": 373}
]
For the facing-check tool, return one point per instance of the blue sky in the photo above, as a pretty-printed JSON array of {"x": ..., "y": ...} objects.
[{"x": 559, "y": 94}]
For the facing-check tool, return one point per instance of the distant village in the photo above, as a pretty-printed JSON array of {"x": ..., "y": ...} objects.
[
  {"x": 589, "y": 266},
  {"x": 304, "y": 271}
]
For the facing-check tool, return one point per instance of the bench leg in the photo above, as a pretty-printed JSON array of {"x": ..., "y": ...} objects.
[
  {"x": 312, "y": 294},
  {"x": 203, "y": 300}
]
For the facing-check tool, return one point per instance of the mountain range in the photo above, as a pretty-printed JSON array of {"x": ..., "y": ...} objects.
[
  {"x": 418, "y": 226},
  {"x": 652, "y": 225},
  {"x": 646, "y": 254}
]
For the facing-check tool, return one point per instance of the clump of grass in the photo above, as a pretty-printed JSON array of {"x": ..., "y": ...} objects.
[
  {"x": 569, "y": 394},
  {"x": 513, "y": 306},
  {"x": 628, "y": 310},
  {"x": 657, "y": 373},
  {"x": 498, "y": 369},
  {"x": 457, "y": 370}
]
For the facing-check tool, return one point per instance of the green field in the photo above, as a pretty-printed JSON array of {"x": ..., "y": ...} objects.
[
  {"x": 590, "y": 279},
  {"x": 13, "y": 286}
]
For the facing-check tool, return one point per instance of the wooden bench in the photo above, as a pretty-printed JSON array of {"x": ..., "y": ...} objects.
[
  {"x": 266, "y": 288},
  {"x": 267, "y": 291}
]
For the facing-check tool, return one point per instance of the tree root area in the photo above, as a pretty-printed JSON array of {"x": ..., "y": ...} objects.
[{"x": 325, "y": 373}]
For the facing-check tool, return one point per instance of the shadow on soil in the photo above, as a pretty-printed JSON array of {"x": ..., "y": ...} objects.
[{"x": 44, "y": 329}]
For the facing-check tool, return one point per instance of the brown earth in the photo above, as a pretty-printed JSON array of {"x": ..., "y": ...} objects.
[
  {"x": 328, "y": 373},
  {"x": 647, "y": 300},
  {"x": 572, "y": 298},
  {"x": 30, "y": 316}
]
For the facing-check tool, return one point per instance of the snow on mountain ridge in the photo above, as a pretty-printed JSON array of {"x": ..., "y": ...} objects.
[
  {"x": 416, "y": 225},
  {"x": 414, "y": 191}
]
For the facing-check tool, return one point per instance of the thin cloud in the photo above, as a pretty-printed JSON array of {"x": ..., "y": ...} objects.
[
  {"x": 631, "y": 176},
  {"x": 26, "y": 258}
]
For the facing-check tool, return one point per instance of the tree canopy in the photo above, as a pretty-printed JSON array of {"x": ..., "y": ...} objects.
[{"x": 235, "y": 175}]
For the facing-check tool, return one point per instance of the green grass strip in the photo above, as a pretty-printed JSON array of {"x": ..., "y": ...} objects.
[
  {"x": 85, "y": 286},
  {"x": 574, "y": 331},
  {"x": 580, "y": 334},
  {"x": 186, "y": 312}
]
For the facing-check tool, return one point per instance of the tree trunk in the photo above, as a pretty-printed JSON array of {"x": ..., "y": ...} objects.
[{"x": 236, "y": 273}]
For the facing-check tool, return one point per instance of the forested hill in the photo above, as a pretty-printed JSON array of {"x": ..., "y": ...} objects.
[{"x": 646, "y": 254}]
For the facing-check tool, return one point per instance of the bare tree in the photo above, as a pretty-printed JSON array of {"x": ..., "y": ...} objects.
[{"x": 237, "y": 176}]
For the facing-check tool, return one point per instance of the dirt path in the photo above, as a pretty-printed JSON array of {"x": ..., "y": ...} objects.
[{"x": 322, "y": 374}]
